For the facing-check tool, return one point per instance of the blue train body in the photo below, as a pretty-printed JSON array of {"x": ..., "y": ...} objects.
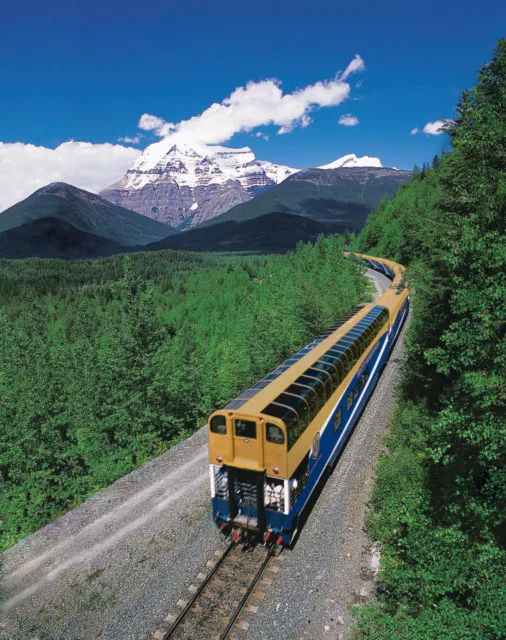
[{"x": 328, "y": 443}]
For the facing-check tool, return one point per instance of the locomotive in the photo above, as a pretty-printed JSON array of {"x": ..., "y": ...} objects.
[{"x": 270, "y": 446}]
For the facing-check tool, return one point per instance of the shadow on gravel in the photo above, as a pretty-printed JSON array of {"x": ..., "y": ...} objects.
[{"x": 324, "y": 479}]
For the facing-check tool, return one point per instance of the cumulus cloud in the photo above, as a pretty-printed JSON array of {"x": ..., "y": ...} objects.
[
  {"x": 25, "y": 167},
  {"x": 256, "y": 104},
  {"x": 348, "y": 120},
  {"x": 434, "y": 128},
  {"x": 128, "y": 140}
]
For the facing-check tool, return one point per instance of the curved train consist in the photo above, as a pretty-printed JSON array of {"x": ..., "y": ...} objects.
[{"x": 270, "y": 446}]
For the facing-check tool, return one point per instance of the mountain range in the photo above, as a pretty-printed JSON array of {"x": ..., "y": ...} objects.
[
  {"x": 184, "y": 185},
  {"x": 61, "y": 220},
  {"x": 343, "y": 196}
]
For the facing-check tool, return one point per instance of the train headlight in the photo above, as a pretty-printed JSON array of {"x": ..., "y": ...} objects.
[
  {"x": 276, "y": 470},
  {"x": 219, "y": 459}
]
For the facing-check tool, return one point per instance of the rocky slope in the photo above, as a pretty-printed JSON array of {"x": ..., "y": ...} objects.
[
  {"x": 342, "y": 196},
  {"x": 184, "y": 185}
]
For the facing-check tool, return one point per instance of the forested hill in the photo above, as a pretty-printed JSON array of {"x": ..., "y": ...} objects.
[
  {"x": 439, "y": 506},
  {"x": 106, "y": 363}
]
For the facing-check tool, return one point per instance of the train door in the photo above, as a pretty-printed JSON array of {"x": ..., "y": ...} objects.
[{"x": 248, "y": 442}]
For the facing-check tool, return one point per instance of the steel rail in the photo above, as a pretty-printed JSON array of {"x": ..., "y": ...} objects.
[
  {"x": 246, "y": 596},
  {"x": 196, "y": 595}
]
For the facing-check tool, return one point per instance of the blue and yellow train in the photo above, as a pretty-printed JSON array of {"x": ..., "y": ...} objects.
[{"x": 270, "y": 446}]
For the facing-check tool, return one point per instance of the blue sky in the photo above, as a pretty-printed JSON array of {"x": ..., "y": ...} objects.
[{"x": 87, "y": 71}]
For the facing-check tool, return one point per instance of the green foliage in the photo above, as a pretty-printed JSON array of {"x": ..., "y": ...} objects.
[
  {"x": 105, "y": 364},
  {"x": 439, "y": 506}
]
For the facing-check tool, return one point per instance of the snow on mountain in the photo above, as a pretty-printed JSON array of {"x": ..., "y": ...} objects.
[
  {"x": 276, "y": 172},
  {"x": 184, "y": 184},
  {"x": 351, "y": 160},
  {"x": 170, "y": 182}
]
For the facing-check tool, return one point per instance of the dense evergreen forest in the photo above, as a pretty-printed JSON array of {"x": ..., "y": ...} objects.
[
  {"x": 105, "y": 364},
  {"x": 439, "y": 505}
]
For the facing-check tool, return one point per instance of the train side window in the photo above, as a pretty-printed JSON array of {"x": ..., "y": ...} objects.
[
  {"x": 348, "y": 355},
  {"x": 246, "y": 429},
  {"x": 289, "y": 416},
  {"x": 340, "y": 373},
  {"x": 330, "y": 379},
  {"x": 356, "y": 390},
  {"x": 304, "y": 394},
  {"x": 349, "y": 401},
  {"x": 361, "y": 340},
  {"x": 218, "y": 425},
  {"x": 292, "y": 429},
  {"x": 338, "y": 418},
  {"x": 296, "y": 403},
  {"x": 329, "y": 363},
  {"x": 324, "y": 378},
  {"x": 317, "y": 386},
  {"x": 274, "y": 434}
]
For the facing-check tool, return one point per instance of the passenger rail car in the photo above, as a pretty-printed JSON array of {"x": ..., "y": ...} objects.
[{"x": 269, "y": 447}]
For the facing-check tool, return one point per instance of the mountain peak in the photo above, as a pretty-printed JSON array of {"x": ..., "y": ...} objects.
[
  {"x": 183, "y": 184},
  {"x": 56, "y": 187},
  {"x": 351, "y": 160}
]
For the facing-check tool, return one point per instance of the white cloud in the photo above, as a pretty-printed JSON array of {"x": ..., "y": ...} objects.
[
  {"x": 357, "y": 64},
  {"x": 348, "y": 120},
  {"x": 256, "y": 104},
  {"x": 414, "y": 131},
  {"x": 25, "y": 167},
  {"x": 128, "y": 140},
  {"x": 148, "y": 122},
  {"x": 434, "y": 128}
]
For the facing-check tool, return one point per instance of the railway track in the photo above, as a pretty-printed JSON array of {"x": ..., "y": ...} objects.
[{"x": 214, "y": 608}]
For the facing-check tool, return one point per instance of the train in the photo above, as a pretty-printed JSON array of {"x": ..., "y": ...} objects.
[{"x": 270, "y": 446}]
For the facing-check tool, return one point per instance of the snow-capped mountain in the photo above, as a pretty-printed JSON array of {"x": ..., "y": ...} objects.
[
  {"x": 183, "y": 185},
  {"x": 351, "y": 160}
]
